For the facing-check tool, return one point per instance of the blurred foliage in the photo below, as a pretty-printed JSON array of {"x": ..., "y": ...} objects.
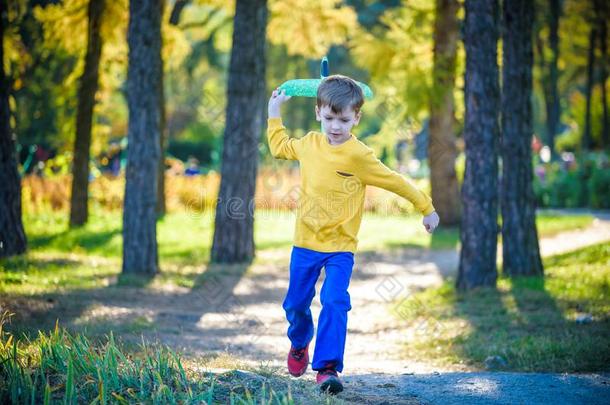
[
  {"x": 310, "y": 28},
  {"x": 198, "y": 141},
  {"x": 575, "y": 23},
  {"x": 583, "y": 183},
  {"x": 385, "y": 43},
  {"x": 274, "y": 190}
]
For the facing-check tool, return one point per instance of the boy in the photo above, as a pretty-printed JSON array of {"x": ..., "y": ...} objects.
[{"x": 335, "y": 170}]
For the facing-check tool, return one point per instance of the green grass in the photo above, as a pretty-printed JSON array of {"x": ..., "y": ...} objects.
[
  {"x": 530, "y": 322},
  {"x": 59, "y": 367},
  {"x": 187, "y": 237},
  {"x": 62, "y": 259}
]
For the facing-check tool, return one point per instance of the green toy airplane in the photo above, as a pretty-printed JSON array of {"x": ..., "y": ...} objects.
[{"x": 309, "y": 87}]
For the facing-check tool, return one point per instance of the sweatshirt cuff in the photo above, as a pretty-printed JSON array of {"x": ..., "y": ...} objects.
[
  {"x": 274, "y": 122},
  {"x": 428, "y": 210}
]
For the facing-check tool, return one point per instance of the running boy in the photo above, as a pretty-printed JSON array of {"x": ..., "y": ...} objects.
[{"x": 335, "y": 170}]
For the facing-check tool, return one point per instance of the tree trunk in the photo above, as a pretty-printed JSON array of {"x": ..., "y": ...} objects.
[
  {"x": 442, "y": 151},
  {"x": 587, "y": 140},
  {"x": 79, "y": 211},
  {"x": 479, "y": 228},
  {"x": 143, "y": 151},
  {"x": 179, "y": 5},
  {"x": 12, "y": 236},
  {"x": 233, "y": 232},
  {"x": 553, "y": 108},
  {"x": 601, "y": 8},
  {"x": 521, "y": 255},
  {"x": 174, "y": 19},
  {"x": 161, "y": 207}
]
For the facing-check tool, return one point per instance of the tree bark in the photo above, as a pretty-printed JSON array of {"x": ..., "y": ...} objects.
[
  {"x": 179, "y": 5},
  {"x": 143, "y": 150},
  {"x": 479, "y": 228},
  {"x": 234, "y": 228},
  {"x": 12, "y": 236},
  {"x": 442, "y": 151},
  {"x": 161, "y": 207},
  {"x": 79, "y": 211},
  {"x": 587, "y": 141},
  {"x": 601, "y": 8},
  {"x": 553, "y": 108},
  {"x": 521, "y": 254}
]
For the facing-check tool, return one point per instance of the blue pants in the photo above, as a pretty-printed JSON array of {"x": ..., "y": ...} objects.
[{"x": 305, "y": 267}]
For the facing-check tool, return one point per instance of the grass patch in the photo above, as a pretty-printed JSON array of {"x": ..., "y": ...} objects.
[
  {"x": 549, "y": 224},
  {"x": 61, "y": 367},
  {"x": 63, "y": 259},
  {"x": 186, "y": 237},
  {"x": 530, "y": 322}
]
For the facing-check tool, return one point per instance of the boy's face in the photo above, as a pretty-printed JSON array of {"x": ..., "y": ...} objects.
[{"x": 337, "y": 127}]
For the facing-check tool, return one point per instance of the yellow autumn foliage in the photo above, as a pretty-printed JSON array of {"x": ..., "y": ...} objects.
[{"x": 309, "y": 28}]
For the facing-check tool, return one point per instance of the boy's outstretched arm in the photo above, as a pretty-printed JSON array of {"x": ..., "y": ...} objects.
[
  {"x": 373, "y": 172},
  {"x": 280, "y": 144}
]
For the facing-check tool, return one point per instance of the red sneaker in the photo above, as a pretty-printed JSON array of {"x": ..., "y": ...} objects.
[
  {"x": 329, "y": 381},
  {"x": 298, "y": 360}
]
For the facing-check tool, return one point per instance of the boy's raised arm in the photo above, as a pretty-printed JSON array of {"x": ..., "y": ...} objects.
[{"x": 280, "y": 144}]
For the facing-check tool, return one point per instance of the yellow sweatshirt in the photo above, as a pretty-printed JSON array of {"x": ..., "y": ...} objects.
[{"x": 333, "y": 181}]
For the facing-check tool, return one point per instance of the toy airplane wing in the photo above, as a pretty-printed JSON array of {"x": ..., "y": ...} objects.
[
  {"x": 309, "y": 87},
  {"x": 301, "y": 87}
]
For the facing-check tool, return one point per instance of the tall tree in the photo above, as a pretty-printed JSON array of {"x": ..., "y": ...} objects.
[
  {"x": 479, "y": 228},
  {"x": 234, "y": 228},
  {"x": 12, "y": 236},
  {"x": 587, "y": 139},
  {"x": 602, "y": 16},
  {"x": 174, "y": 19},
  {"x": 442, "y": 151},
  {"x": 553, "y": 108},
  {"x": 179, "y": 5},
  {"x": 161, "y": 207},
  {"x": 79, "y": 211},
  {"x": 521, "y": 255},
  {"x": 143, "y": 150}
]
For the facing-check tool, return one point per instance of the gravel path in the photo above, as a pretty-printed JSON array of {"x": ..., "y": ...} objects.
[{"x": 485, "y": 388}]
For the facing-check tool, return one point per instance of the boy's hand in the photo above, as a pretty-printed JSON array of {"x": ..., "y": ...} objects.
[
  {"x": 276, "y": 101},
  {"x": 431, "y": 222}
]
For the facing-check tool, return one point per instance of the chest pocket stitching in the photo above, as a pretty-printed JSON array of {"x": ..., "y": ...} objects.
[{"x": 343, "y": 174}]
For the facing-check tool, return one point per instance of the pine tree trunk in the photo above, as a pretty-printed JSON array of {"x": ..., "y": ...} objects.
[
  {"x": 12, "y": 236},
  {"x": 479, "y": 228},
  {"x": 442, "y": 151},
  {"x": 587, "y": 141},
  {"x": 161, "y": 207},
  {"x": 79, "y": 211},
  {"x": 521, "y": 255},
  {"x": 143, "y": 150},
  {"x": 602, "y": 18},
  {"x": 234, "y": 228},
  {"x": 552, "y": 97},
  {"x": 179, "y": 5}
]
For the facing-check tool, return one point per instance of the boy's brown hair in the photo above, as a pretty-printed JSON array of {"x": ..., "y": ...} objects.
[{"x": 339, "y": 92}]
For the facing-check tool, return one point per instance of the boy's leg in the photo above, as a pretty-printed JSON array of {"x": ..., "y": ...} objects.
[
  {"x": 305, "y": 266},
  {"x": 332, "y": 323}
]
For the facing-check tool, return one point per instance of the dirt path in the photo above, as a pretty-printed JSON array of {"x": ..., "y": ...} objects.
[{"x": 373, "y": 372}]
